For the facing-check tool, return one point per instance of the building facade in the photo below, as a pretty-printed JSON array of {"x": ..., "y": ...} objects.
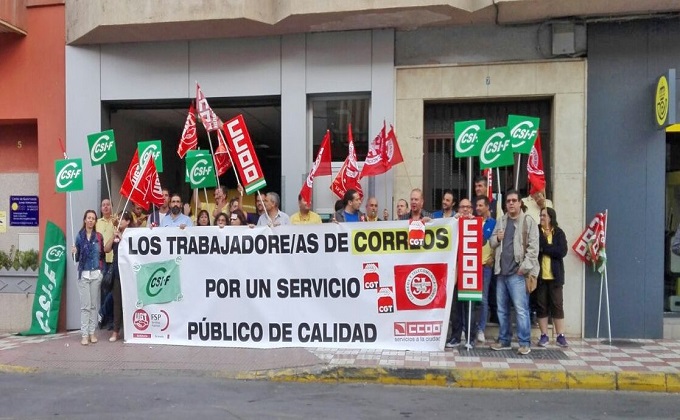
[{"x": 421, "y": 66}]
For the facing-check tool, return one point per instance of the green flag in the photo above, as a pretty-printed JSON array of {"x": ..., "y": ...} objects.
[
  {"x": 466, "y": 135},
  {"x": 102, "y": 147},
  {"x": 158, "y": 283},
  {"x": 192, "y": 154},
  {"x": 150, "y": 148},
  {"x": 68, "y": 175},
  {"x": 496, "y": 150},
  {"x": 523, "y": 131},
  {"x": 45, "y": 312},
  {"x": 201, "y": 171}
]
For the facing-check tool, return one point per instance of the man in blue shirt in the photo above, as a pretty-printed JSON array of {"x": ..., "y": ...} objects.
[
  {"x": 448, "y": 203},
  {"x": 175, "y": 217},
  {"x": 351, "y": 212}
]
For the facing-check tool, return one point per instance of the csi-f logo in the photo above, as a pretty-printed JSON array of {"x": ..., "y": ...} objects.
[
  {"x": 102, "y": 147},
  {"x": 157, "y": 282},
  {"x": 55, "y": 253},
  {"x": 200, "y": 171},
  {"x": 523, "y": 131},
  {"x": 69, "y": 175},
  {"x": 493, "y": 147},
  {"x": 150, "y": 149}
]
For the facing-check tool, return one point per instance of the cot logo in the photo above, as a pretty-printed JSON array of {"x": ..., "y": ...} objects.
[
  {"x": 54, "y": 253},
  {"x": 371, "y": 276},
  {"x": 418, "y": 329},
  {"x": 157, "y": 282},
  {"x": 416, "y": 234},
  {"x": 140, "y": 319},
  {"x": 101, "y": 147},
  {"x": 385, "y": 300},
  {"x": 68, "y": 174},
  {"x": 200, "y": 171}
]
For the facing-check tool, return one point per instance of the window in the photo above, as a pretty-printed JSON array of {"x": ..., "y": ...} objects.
[{"x": 335, "y": 113}]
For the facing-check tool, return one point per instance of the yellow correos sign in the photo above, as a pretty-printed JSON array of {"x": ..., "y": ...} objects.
[{"x": 661, "y": 101}]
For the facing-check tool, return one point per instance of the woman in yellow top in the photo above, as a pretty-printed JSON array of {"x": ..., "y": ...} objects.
[{"x": 549, "y": 299}]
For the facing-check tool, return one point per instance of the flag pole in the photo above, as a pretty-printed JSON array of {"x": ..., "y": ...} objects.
[
  {"x": 519, "y": 162},
  {"x": 106, "y": 177},
  {"x": 606, "y": 283},
  {"x": 599, "y": 306},
  {"x": 70, "y": 201}
]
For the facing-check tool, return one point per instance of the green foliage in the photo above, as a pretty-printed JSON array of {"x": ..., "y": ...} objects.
[{"x": 27, "y": 260}]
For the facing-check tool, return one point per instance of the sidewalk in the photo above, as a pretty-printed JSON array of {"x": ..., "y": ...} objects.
[{"x": 635, "y": 365}]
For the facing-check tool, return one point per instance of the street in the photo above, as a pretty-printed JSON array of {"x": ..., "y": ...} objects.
[{"x": 169, "y": 396}]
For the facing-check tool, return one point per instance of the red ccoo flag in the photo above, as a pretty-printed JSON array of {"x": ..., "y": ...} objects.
[
  {"x": 535, "y": 167},
  {"x": 348, "y": 177},
  {"x": 245, "y": 158},
  {"x": 208, "y": 117},
  {"x": 189, "y": 138},
  {"x": 320, "y": 167}
]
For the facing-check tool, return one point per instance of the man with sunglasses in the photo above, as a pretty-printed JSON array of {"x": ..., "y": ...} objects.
[{"x": 515, "y": 242}]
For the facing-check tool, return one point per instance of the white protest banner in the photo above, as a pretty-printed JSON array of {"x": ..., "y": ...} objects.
[{"x": 348, "y": 285}]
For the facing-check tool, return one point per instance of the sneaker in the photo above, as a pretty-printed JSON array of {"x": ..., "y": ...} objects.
[
  {"x": 480, "y": 337},
  {"x": 93, "y": 338},
  {"x": 84, "y": 341},
  {"x": 454, "y": 342},
  {"x": 501, "y": 346},
  {"x": 543, "y": 341},
  {"x": 562, "y": 341},
  {"x": 524, "y": 350}
]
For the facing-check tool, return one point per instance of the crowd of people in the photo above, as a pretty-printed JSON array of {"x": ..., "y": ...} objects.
[{"x": 521, "y": 244}]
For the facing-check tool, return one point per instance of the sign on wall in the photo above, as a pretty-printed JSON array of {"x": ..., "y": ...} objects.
[{"x": 23, "y": 210}]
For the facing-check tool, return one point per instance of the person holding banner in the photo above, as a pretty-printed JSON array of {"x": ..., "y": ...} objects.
[
  {"x": 273, "y": 216},
  {"x": 222, "y": 220},
  {"x": 483, "y": 210},
  {"x": 89, "y": 253},
  {"x": 238, "y": 218},
  {"x": 112, "y": 246},
  {"x": 203, "y": 218},
  {"x": 549, "y": 298},
  {"x": 350, "y": 212},
  {"x": 417, "y": 212},
  {"x": 515, "y": 241},
  {"x": 176, "y": 218}
]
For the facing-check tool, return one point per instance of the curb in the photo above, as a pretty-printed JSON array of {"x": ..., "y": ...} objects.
[
  {"x": 17, "y": 369},
  {"x": 477, "y": 378}
]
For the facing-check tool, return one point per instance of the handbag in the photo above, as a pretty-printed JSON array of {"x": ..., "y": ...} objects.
[
  {"x": 107, "y": 281},
  {"x": 531, "y": 282}
]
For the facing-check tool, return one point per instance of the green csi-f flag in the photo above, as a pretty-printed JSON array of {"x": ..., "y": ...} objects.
[
  {"x": 201, "y": 171},
  {"x": 496, "y": 150},
  {"x": 158, "y": 283},
  {"x": 523, "y": 131},
  {"x": 192, "y": 154},
  {"x": 151, "y": 148},
  {"x": 68, "y": 175},
  {"x": 102, "y": 147},
  {"x": 466, "y": 135},
  {"x": 45, "y": 312}
]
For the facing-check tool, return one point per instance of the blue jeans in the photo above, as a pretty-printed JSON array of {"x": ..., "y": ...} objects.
[
  {"x": 483, "y": 311},
  {"x": 513, "y": 287}
]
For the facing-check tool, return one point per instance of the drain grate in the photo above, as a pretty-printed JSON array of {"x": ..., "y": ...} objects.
[{"x": 536, "y": 354}]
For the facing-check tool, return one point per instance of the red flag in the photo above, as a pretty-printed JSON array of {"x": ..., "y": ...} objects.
[
  {"x": 208, "y": 117},
  {"x": 391, "y": 152},
  {"x": 133, "y": 186},
  {"x": 189, "y": 138},
  {"x": 243, "y": 151},
  {"x": 590, "y": 246},
  {"x": 535, "y": 167},
  {"x": 153, "y": 193},
  {"x": 222, "y": 161},
  {"x": 488, "y": 173},
  {"x": 321, "y": 166},
  {"x": 374, "y": 163},
  {"x": 348, "y": 177}
]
